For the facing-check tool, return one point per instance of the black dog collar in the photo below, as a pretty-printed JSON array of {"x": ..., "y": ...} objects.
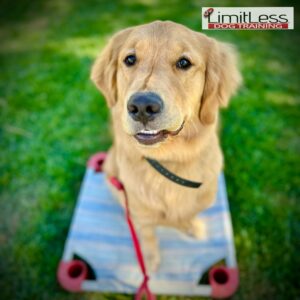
[{"x": 171, "y": 176}]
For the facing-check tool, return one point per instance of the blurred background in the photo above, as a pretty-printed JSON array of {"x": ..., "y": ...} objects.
[{"x": 52, "y": 119}]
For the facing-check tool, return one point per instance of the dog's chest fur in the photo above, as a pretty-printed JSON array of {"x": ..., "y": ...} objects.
[{"x": 155, "y": 199}]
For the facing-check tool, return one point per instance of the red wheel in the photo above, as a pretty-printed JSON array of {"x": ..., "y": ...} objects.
[
  {"x": 224, "y": 281},
  {"x": 96, "y": 161},
  {"x": 71, "y": 274}
]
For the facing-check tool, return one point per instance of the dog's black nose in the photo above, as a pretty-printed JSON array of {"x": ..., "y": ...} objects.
[{"x": 144, "y": 107}]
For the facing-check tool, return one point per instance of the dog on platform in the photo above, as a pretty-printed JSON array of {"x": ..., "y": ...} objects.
[{"x": 164, "y": 85}]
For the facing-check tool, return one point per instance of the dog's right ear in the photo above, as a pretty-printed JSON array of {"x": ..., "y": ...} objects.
[{"x": 104, "y": 70}]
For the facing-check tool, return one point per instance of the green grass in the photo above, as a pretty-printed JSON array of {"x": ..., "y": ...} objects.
[{"x": 52, "y": 119}]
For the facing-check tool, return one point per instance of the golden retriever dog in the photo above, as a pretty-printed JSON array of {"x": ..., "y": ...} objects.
[{"x": 164, "y": 85}]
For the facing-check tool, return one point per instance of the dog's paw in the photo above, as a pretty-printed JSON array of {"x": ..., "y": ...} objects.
[
  {"x": 152, "y": 261},
  {"x": 197, "y": 229}
]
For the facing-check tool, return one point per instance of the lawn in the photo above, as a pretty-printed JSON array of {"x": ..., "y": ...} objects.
[{"x": 52, "y": 119}]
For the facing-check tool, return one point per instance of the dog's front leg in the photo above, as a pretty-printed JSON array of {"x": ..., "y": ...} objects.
[
  {"x": 110, "y": 169},
  {"x": 150, "y": 246}
]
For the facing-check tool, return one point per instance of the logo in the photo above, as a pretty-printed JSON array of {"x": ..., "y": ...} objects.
[
  {"x": 248, "y": 18},
  {"x": 208, "y": 12}
]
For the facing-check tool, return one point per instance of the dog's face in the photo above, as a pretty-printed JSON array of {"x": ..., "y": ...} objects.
[{"x": 162, "y": 78}]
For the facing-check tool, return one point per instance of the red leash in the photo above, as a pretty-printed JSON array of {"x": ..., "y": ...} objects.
[{"x": 143, "y": 290}]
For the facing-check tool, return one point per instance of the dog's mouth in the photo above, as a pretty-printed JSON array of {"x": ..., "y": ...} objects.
[{"x": 151, "y": 137}]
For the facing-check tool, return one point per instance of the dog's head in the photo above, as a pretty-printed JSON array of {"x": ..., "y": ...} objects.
[{"x": 163, "y": 78}]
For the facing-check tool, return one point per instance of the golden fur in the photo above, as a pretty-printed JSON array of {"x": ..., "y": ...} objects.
[{"x": 191, "y": 96}]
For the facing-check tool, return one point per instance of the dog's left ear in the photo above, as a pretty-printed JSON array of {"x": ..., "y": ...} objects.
[
  {"x": 104, "y": 70},
  {"x": 222, "y": 78}
]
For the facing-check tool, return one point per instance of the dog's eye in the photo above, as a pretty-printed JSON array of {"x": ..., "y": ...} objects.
[
  {"x": 130, "y": 60},
  {"x": 183, "y": 63}
]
